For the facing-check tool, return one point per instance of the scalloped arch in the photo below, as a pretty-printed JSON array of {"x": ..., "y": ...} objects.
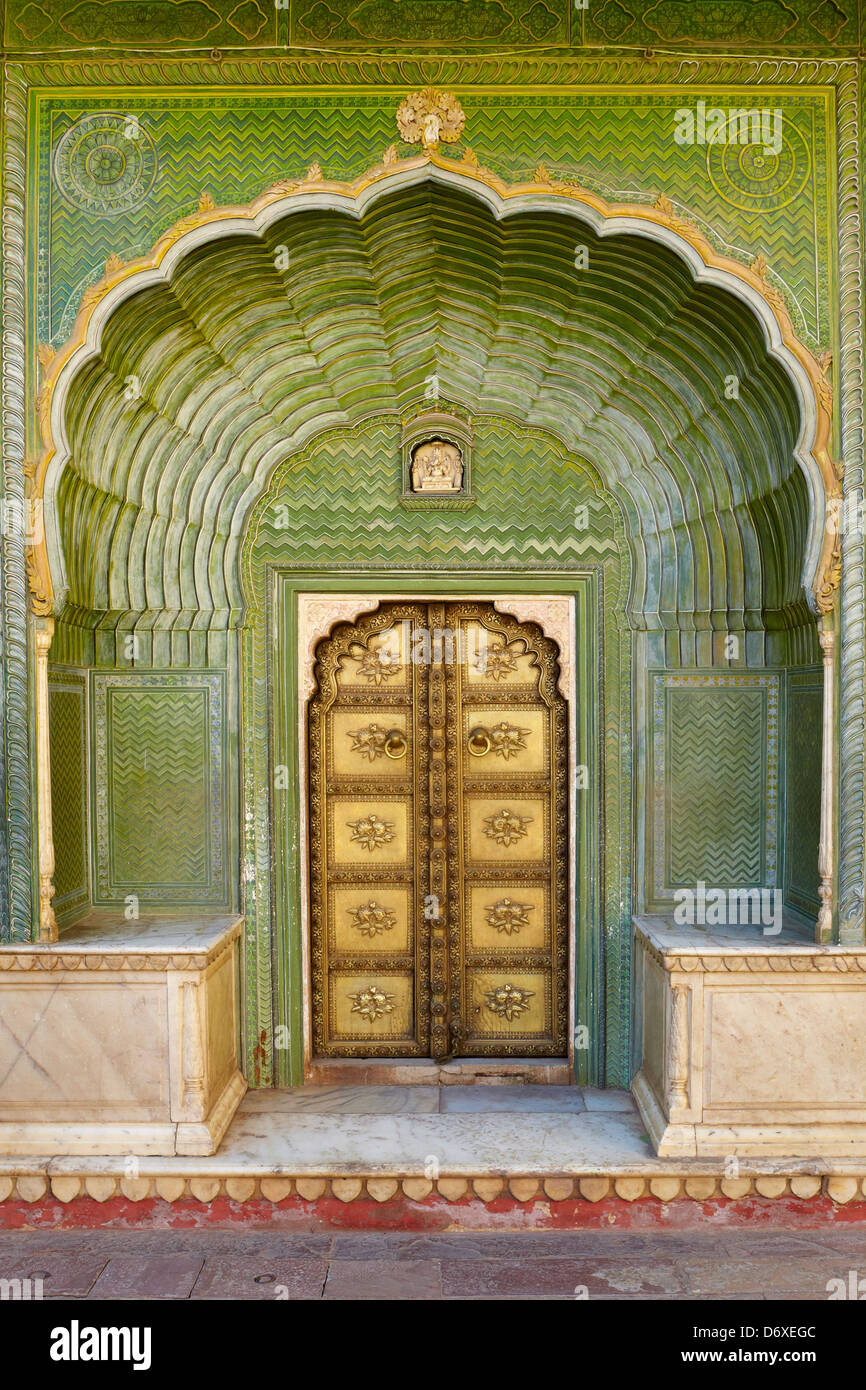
[{"x": 420, "y": 266}]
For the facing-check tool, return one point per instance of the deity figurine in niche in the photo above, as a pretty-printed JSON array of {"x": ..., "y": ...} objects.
[{"x": 437, "y": 466}]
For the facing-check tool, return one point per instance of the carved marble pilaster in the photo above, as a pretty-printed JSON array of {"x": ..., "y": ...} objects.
[
  {"x": 47, "y": 919},
  {"x": 678, "y": 1048},
  {"x": 824, "y": 928}
]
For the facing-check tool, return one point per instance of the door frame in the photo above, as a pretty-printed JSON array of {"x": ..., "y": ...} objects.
[{"x": 293, "y": 594}]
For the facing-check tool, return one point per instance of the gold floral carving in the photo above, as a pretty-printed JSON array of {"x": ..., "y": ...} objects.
[
  {"x": 830, "y": 573},
  {"x": 375, "y": 663},
  {"x": 498, "y": 660},
  {"x": 825, "y": 387},
  {"x": 371, "y": 832},
  {"x": 430, "y": 116},
  {"x": 283, "y": 187},
  {"x": 506, "y": 740},
  {"x": 372, "y": 1003},
  {"x": 506, "y": 827},
  {"x": 509, "y": 1002},
  {"x": 41, "y": 601},
  {"x": 205, "y": 202},
  {"x": 507, "y": 916},
  {"x": 686, "y": 229},
  {"x": 371, "y": 919},
  {"x": 369, "y": 741}
]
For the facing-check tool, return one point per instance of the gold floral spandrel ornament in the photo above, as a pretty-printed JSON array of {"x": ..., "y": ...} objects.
[
  {"x": 371, "y": 832},
  {"x": 509, "y": 917},
  {"x": 437, "y": 466},
  {"x": 508, "y": 1002},
  {"x": 506, "y": 827},
  {"x": 430, "y": 116},
  {"x": 376, "y": 662},
  {"x": 371, "y": 919},
  {"x": 498, "y": 660},
  {"x": 371, "y": 1003}
]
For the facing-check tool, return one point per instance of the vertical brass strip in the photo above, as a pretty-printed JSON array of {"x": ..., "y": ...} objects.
[
  {"x": 438, "y": 790},
  {"x": 456, "y": 874}
]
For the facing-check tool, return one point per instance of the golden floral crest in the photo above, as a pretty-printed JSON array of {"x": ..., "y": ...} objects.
[
  {"x": 371, "y": 1003},
  {"x": 371, "y": 919},
  {"x": 429, "y": 117},
  {"x": 506, "y": 827},
  {"x": 507, "y": 916},
  {"x": 377, "y": 662},
  {"x": 371, "y": 832},
  {"x": 498, "y": 660},
  {"x": 508, "y": 1002}
]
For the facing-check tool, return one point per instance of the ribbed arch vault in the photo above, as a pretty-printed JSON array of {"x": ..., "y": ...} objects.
[{"x": 208, "y": 378}]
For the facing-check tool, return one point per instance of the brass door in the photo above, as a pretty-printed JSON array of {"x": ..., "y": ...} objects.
[{"x": 438, "y": 836}]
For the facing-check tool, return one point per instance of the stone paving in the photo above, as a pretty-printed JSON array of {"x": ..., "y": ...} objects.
[{"x": 219, "y": 1264}]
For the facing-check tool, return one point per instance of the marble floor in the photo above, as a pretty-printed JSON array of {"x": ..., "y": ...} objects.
[
  {"x": 508, "y": 1098},
  {"x": 407, "y": 1131},
  {"x": 467, "y": 1130},
  {"x": 673, "y": 1266}
]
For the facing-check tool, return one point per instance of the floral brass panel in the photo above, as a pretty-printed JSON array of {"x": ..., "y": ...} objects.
[{"x": 439, "y": 859}]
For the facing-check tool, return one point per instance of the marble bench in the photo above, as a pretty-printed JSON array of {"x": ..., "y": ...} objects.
[
  {"x": 121, "y": 1038},
  {"x": 752, "y": 1044}
]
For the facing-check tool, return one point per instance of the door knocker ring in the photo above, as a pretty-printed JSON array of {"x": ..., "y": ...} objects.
[
  {"x": 479, "y": 741},
  {"x": 395, "y": 744}
]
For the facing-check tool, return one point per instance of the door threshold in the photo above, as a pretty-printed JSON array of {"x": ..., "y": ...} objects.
[{"x": 423, "y": 1071}]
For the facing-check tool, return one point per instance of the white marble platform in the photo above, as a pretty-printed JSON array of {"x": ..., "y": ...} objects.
[
  {"x": 105, "y": 930},
  {"x": 752, "y": 1044},
  {"x": 700, "y": 940},
  {"x": 395, "y": 1132},
  {"x": 121, "y": 1037}
]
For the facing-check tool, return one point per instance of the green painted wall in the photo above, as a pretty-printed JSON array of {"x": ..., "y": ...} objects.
[{"x": 229, "y": 97}]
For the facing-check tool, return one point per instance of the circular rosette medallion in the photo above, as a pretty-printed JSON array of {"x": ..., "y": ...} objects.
[
  {"x": 105, "y": 163},
  {"x": 755, "y": 176}
]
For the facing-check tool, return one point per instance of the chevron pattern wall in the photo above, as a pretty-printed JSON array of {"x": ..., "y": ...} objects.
[
  {"x": 805, "y": 702},
  {"x": 67, "y": 714},
  {"x": 618, "y": 142},
  {"x": 158, "y": 783},
  {"x": 339, "y": 506},
  {"x": 714, "y": 781}
]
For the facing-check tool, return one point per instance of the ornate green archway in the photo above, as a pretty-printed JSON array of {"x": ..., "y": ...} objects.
[{"x": 254, "y": 339}]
